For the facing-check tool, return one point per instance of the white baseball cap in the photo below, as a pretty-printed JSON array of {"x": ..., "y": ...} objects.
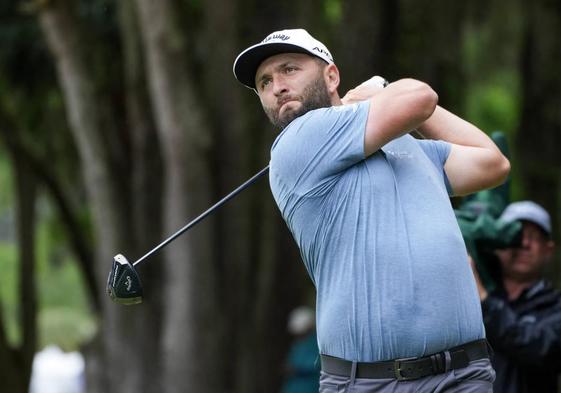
[
  {"x": 283, "y": 41},
  {"x": 528, "y": 211}
]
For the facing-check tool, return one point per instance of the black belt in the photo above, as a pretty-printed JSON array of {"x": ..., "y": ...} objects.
[{"x": 409, "y": 368}]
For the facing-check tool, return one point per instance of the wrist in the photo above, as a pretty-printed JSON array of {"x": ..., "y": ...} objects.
[{"x": 365, "y": 90}]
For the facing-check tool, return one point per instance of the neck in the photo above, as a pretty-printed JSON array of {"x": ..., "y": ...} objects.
[
  {"x": 336, "y": 100},
  {"x": 515, "y": 287}
]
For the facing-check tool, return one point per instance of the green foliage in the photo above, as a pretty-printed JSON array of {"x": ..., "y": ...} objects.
[
  {"x": 491, "y": 52},
  {"x": 333, "y": 11},
  {"x": 494, "y": 104},
  {"x": 30, "y": 98},
  {"x": 64, "y": 318},
  {"x": 8, "y": 277},
  {"x": 24, "y": 59},
  {"x": 5, "y": 184},
  {"x": 67, "y": 327},
  {"x": 8, "y": 290}
]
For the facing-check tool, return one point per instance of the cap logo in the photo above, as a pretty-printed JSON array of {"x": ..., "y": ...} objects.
[
  {"x": 323, "y": 51},
  {"x": 282, "y": 37}
]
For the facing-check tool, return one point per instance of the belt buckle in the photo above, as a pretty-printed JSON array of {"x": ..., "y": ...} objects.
[{"x": 397, "y": 369}]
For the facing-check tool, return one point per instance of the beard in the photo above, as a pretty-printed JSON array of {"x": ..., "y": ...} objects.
[{"x": 314, "y": 96}]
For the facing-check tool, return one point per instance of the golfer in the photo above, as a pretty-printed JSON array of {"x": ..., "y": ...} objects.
[{"x": 368, "y": 205}]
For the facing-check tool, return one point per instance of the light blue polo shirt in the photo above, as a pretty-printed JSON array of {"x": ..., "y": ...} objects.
[{"x": 378, "y": 236}]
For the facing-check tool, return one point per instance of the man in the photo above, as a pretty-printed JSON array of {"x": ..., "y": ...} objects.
[
  {"x": 368, "y": 206},
  {"x": 523, "y": 319}
]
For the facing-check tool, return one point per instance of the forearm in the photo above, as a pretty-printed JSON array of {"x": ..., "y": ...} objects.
[
  {"x": 396, "y": 110},
  {"x": 474, "y": 162},
  {"x": 446, "y": 126}
]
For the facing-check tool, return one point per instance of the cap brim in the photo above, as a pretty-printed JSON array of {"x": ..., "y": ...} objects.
[
  {"x": 524, "y": 217},
  {"x": 249, "y": 60}
]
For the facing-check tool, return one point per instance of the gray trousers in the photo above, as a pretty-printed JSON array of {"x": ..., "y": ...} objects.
[{"x": 477, "y": 377}]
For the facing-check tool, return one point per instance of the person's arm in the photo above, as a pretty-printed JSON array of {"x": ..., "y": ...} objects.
[
  {"x": 475, "y": 162},
  {"x": 394, "y": 110}
]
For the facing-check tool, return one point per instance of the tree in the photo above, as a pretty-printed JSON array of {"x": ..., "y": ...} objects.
[
  {"x": 110, "y": 176},
  {"x": 161, "y": 130},
  {"x": 17, "y": 361},
  {"x": 190, "y": 321},
  {"x": 27, "y": 109},
  {"x": 539, "y": 133}
]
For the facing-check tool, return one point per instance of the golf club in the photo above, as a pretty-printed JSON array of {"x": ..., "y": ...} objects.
[{"x": 123, "y": 283}]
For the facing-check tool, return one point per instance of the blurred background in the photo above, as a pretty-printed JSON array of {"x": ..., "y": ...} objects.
[{"x": 121, "y": 120}]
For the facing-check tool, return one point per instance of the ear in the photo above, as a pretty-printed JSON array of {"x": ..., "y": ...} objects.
[
  {"x": 550, "y": 248},
  {"x": 331, "y": 75}
]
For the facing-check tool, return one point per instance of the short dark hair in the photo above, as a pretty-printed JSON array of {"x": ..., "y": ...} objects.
[{"x": 322, "y": 63}]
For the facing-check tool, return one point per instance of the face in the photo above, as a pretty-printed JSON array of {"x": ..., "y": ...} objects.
[
  {"x": 527, "y": 262},
  {"x": 291, "y": 84}
]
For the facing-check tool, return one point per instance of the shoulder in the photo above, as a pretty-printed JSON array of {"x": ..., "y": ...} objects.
[
  {"x": 330, "y": 114},
  {"x": 543, "y": 295},
  {"x": 413, "y": 146},
  {"x": 437, "y": 151},
  {"x": 437, "y": 147},
  {"x": 318, "y": 124}
]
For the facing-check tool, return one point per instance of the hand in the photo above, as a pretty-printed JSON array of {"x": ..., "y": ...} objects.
[
  {"x": 480, "y": 288},
  {"x": 365, "y": 90}
]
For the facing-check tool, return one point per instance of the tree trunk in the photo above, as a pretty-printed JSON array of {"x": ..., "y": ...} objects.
[
  {"x": 230, "y": 159},
  {"x": 146, "y": 199},
  {"x": 189, "y": 349},
  {"x": 391, "y": 39},
  {"x": 26, "y": 195},
  {"x": 271, "y": 280},
  {"x": 88, "y": 119},
  {"x": 44, "y": 174},
  {"x": 371, "y": 34},
  {"x": 434, "y": 54},
  {"x": 15, "y": 372}
]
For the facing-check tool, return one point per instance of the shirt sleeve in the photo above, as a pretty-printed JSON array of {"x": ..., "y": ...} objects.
[
  {"x": 438, "y": 152},
  {"x": 316, "y": 147}
]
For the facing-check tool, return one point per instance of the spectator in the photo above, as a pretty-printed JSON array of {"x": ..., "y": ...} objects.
[
  {"x": 523, "y": 317},
  {"x": 55, "y": 371},
  {"x": 302, "y": 365}
]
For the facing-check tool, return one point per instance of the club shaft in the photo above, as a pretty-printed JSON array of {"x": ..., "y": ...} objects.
[{"x": 204, "y": 215}]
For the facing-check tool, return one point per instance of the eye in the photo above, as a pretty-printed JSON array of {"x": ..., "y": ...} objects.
[
  {"x": 265, "y": 82},
  {"x": 289, "y": 69}
]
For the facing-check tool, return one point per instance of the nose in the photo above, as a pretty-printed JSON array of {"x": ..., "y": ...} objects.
[
  {"x": 279, "y": 86},
  {"x": 527, "y": 239}
]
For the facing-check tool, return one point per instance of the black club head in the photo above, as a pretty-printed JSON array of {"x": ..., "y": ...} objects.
[{"x": 123, "y": 283}]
